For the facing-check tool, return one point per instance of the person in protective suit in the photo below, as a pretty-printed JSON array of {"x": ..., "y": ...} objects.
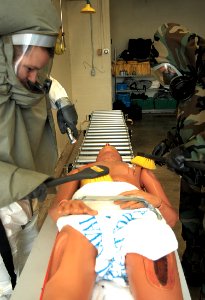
[
  {"x": 28, "y": 148},
  {"x": 178, "y": 58}
]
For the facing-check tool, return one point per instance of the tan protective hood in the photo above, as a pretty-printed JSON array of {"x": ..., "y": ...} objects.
[
  {"x": 33, "y": 16},
  {"x": 28, "y": 150}
]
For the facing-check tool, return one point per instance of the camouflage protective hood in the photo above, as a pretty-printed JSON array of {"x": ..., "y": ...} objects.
[{"x": 175, "y": 44}]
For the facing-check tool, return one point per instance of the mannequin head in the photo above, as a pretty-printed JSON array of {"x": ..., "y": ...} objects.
[{"x": 108, "y": 153}]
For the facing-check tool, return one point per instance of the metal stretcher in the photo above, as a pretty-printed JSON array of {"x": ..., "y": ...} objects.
[{"x": 105, "y": 127}]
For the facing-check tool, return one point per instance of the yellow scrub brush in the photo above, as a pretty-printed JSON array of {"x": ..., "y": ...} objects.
[
  {"x": 88, "y": 173},
  {"x": 97, "y": 179},
  {"x": 147, "y": 161},
  {"x": 144, "y": 162}
]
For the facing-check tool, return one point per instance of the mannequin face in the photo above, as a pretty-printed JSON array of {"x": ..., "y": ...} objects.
[{"x": 108, "y": 153}]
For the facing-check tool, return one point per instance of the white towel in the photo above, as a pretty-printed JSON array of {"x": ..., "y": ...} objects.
[
  {"x": 115, "y": 232},
  {"x": 103, "y": 188},
  {"x": 119, "y": 232}
]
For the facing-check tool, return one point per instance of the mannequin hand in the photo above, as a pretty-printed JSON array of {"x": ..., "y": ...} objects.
[
  {"x": 40, "y": 193},
  {"x": 74, "y": 207},
  {"x": 67, "y": 117},
  {"x": 133, "y": 204},
  {"x": 176, "y": 159}
]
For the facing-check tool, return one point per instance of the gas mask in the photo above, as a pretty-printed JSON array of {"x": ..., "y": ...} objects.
[
  {"x": 181, "y": 87},
  {"x": 32, "y": 60},
  {"x": 165, "y": 72}
]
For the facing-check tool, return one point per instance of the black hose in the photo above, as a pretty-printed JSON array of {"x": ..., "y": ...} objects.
[{"x": 192, "y": 164}]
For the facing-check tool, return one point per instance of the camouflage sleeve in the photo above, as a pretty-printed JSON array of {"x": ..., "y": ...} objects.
[
  {"x": 191, "y": 125},
  {"x": 196, "y": 147}
]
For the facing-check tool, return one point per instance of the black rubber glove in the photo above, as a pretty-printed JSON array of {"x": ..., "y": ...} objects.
[
  {"x": 160, "y": 149},
  {"x": 67, "y": 117},
  {"x": 40, "y": 193},
  {"x": 166, "y": 145},
  {"x": 176, "y": 160}
]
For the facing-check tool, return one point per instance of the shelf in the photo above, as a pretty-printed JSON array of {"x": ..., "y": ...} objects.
[
  {"x": 140, "y": 85},
  {"x": 159, "y": 111},
  {"x": 137, "y": 90},
  {"x": 144, "y": 85},
  {"x": 147, "y": 77}
]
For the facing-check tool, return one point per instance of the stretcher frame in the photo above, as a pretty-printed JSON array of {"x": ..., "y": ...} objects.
[{"x": 30, "y": 283}]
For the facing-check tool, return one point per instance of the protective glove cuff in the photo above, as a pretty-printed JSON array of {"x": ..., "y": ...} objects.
[
  {"x": 62, "y": 102},
  {"x": 57, "y": 92}
]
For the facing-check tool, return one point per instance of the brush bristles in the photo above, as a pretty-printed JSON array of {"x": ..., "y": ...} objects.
[
  {"x": 144, "y": 162},
  {"x": 98, "y": 179}
]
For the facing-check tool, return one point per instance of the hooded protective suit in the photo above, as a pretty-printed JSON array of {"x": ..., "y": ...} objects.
[
  {"x": 28, "y": 150},
  {"x": 175, "y": 44},
  {"x": 185, "y": 50}
]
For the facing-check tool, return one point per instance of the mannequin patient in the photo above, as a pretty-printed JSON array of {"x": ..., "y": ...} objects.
[{"x": 117, "y": 239}]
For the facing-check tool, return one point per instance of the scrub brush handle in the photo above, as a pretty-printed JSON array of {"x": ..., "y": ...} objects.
[{"x": 87, "y": 173}]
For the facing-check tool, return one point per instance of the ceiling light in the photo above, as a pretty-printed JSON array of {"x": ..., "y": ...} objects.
[{"x": 88, "y": 8}]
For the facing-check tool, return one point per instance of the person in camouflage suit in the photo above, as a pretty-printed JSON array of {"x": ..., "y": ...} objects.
[{"x": 185, "y": 50}]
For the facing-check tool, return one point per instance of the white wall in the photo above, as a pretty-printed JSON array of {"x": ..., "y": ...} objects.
[
  {"x": 141, "y": 18},
  {"x": 61, "y": 71},
  {"x": 89, "y": 92},
  {"x": 116, "y": 20},
  {"x": 73, "y": 69}
]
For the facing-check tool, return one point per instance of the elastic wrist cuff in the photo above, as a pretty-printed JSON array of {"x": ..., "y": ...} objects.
[{"x": 62, "y": 102}]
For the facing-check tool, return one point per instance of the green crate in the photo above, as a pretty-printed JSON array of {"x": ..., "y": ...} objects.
[
  {"x": 164, "y": 103},
  {"x": 145, "y": 103}
]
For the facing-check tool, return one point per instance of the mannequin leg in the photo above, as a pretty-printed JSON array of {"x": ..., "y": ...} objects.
[
  {"x": 153, "y": 280},
  {"x": 71, "y": 273}
]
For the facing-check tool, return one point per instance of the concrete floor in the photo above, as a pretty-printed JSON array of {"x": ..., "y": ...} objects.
[{"x": 146, "y": 134}]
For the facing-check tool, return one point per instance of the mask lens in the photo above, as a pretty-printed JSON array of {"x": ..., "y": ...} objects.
[
  {"x": 165, "y": 73},
  {"x": 32, "y": 63}
]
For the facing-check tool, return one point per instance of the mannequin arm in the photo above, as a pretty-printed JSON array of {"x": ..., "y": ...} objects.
[
  {"x": 155, "y": 195},
  {"x": 63, "y": 205},
  {"x": 153, "y": 186},
  {"x": 65, "y": 191}
]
